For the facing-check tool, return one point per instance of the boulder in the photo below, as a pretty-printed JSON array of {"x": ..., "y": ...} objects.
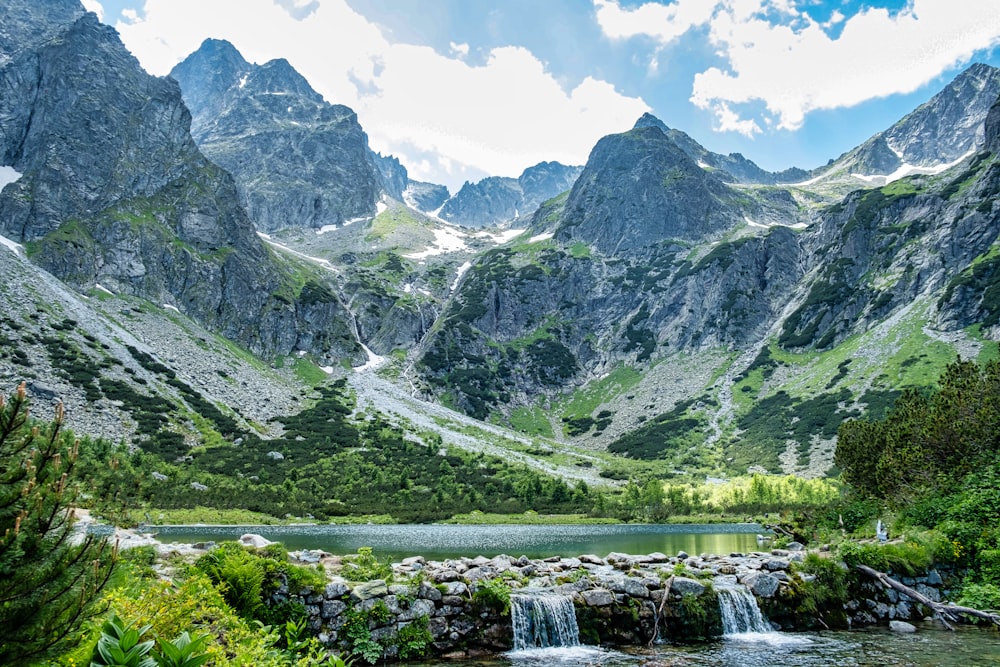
[
  {"x": 597, "y": 597},
  {"x": 254, "y": 540},
  {"x": 686, "y": 586},
  {"x": 762, "y": 584},
  {"x": 902, "y": 627}
]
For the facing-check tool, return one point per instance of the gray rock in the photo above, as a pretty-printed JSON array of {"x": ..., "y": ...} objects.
[
  {"x": 429, "y": 592},
  {"x": 456, "y": 588},
  {"x": 902, "y": 627},
  {"x": 775, "y": 564},
  {"x": 335, "y": 589},
  {"x": 369, "y": 589},
  {"x": 417, "y": 609},
  {"x": 761, "y": 584},
  {"x": 597, "y": 597},
  {"x": 686, "y": 586},
  {"x": 332, "y": 608}
]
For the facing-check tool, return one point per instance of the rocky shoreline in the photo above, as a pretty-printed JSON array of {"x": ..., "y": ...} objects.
[{"x": 619, "y": 599}]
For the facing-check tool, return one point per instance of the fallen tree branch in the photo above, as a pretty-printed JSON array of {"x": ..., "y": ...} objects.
[
  {"x": 659, "y": 612},
  {"x": 947, "y": 612}
]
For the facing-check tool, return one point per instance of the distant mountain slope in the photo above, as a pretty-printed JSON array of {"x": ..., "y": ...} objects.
[
  {"x": 732, "y": 168},
  {"x": 298, "y": 161},
  {"x": 936, "y": 134},
  {"x": 496, "y": 200},
  {"x": 649, "y": 293},
  {"x": 112, "y": 190}
]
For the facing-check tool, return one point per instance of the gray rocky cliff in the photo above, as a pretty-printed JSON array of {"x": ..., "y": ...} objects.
[
  {"x": 940, "y": 131},
  {"x": 426, "y": 197},
  {"x": 297, "y": 160},
  {"x": 731, "y": 168},
  {"x": 639, "y": 188},
  {"x": 495, "y": 200},
  {"x": 114, "y": 191}
]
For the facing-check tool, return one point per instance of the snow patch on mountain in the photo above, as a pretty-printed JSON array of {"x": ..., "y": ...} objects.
[
  {"x": 445, "y": 241},
  {"x": 909, "y": 170},
  {"x": 458, "y": 275},
  {"x": 8, "y": 175},
  {"x": 15, "y": 248}
]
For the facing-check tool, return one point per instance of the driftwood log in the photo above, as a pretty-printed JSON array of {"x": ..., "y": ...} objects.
[
  {"x": 659, "y": 612},
  {"x": 946, "y": 612}
]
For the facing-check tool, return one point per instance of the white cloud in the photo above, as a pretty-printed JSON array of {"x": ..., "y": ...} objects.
[
  {"x": 94, "y": 6},
  {"x": 784, "y": 62},
  {"x": 496, "y": 118},
  {"x": 663, "y": 22},
  {"x": 459, "y": 49}
]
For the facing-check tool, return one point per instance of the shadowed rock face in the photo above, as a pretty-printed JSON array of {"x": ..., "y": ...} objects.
[
  {"x": 297, "y": 161},
  {"x": 496, "y": 200},
  {"x": 115, "y": 191},
  {"x": 639, "y": 188}
]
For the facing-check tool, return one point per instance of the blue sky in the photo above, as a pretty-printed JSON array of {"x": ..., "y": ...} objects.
[{"x": 461, "y": 89}]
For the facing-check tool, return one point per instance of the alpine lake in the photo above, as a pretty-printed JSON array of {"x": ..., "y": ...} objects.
[{"x": 931, "y": 646}]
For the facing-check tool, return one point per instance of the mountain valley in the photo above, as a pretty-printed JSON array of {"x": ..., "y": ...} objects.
[{"x": 190, "y": 261}]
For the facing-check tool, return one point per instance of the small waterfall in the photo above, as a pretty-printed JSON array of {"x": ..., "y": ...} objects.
[
  {"x": 543, "y": 620},
  {"x": 740, "y": 613}
]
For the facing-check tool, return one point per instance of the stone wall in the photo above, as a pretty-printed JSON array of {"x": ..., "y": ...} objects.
[{"x": 619, "y": 599}]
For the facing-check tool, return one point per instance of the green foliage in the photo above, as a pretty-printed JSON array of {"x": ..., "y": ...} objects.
[
  {"x": 119, "y": 646},
  {"x": 240, "y": 576},
  {"x": 980, "y": 596},
  {"x": 670, "y": 431},
  {"x": 414, "y": 639},
  {"x": 365, "y": 566},
  {"x": 248, "y": 578},
  {"x": 928, "y": 441},
  {"x": 172, "y": 607},
  {"x": 827, "y": 591},
  {"x": 909, "y": 558},
  {"x": 358, "y": 637},
  {"x": 47, "y": 582},
  {"x": 493, "y": 594},
  {"x": 183, "y": 651}
]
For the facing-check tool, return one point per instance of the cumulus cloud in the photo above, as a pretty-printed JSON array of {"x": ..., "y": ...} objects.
[
  {"x": 781, "y": 59},
  {"x": 498, "y": 117},
  {"x": 663, "y": 22}
]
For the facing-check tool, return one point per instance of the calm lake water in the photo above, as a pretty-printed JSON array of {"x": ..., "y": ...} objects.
[{"x": 439, "y": 542}]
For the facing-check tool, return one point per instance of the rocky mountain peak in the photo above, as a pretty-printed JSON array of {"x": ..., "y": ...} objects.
[
  {"x": 496, "y": 199},
  {"x": 639, "y": 188},
  {"x": 297, "y": 161},
  {"x": 649, "y": 120}
]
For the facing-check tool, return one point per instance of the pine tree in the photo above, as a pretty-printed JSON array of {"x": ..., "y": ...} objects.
[{"x": 49, "y": 575}]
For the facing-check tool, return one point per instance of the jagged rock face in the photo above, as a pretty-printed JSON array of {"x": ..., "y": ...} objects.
[
  {"x": 115, "y": 191},
  {"x": 530, "y": 323},
  {"x": 731, "y": 168},
  {"x": 298, "y": 161},
  {"x": 426, "y": 197},
  {"x": 491, "y": 200},
  {"x": 638, "y": 189},
  {"x": 75, "y": 119},
  {"x": 27, "y": 23},
  {"x": 495, "y": 199},
  {"x": 393, "y": 175},
  {"x": 942, "y": 130}
]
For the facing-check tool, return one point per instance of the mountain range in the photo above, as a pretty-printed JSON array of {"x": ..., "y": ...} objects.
[{"x": 223, "y": 239}]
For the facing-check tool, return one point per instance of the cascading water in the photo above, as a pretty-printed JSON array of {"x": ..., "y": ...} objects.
[
  {"x": 740, "y": 613},
  {"x": 543, "y": 620}
]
